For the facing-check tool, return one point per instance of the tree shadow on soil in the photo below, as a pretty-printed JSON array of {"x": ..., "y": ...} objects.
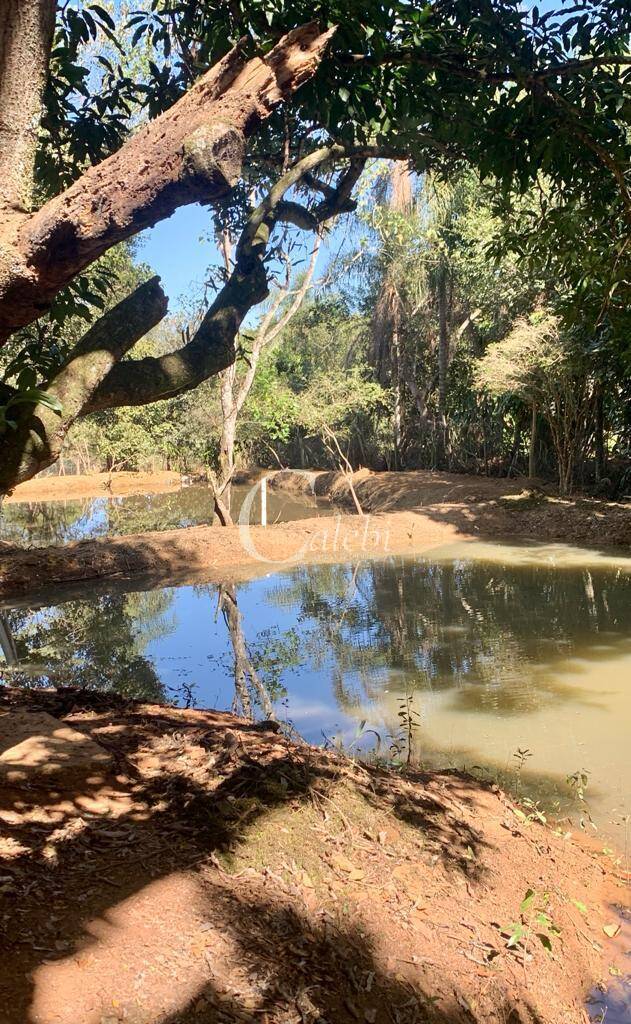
[{"x": 74, "y": 866}]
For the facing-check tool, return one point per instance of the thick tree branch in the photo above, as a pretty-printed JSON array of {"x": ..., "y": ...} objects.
[
  {"x": 94, "y": 378},
  {"x": 213, "y": 347},
  {"x": 36, "y": 441},
  {"x": 193, "y": 152}
]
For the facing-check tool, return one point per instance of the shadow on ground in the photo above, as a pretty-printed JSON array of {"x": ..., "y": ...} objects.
[{"x": 206, "y": 877}]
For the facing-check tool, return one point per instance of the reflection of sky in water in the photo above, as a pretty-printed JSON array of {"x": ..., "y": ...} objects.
[{"x": 504, "y": 653}]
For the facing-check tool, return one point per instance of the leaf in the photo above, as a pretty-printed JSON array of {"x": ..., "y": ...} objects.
[
  {"x": 545, "y": 941},
  {"x": 527, "y": 901},
  {"x": 35, "y": 396},
  {"x": 103, "y": 15},
  {"x": 580, "y": 906},
  {"x": 611, "y": 929}
]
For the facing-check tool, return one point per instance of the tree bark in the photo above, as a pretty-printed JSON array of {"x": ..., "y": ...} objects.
[
  {"x": 26, "y": 35},
  {"x": 532, "y": 451},
  {"x": 443, "y": 368},
  {"x": 193, "y": 152}
]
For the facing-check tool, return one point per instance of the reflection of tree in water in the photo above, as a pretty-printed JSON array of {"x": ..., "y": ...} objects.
[
  {"x": 57, "y": 522},
  {"x": 44, "y": 522},
  {"x": 256, "y": 667},
  {"x": 190, "y": 506},
  {"x": 441, "y": 625},
  {"x": 98, "y": 644}
]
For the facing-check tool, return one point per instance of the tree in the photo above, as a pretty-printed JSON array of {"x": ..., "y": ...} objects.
[
  {"x": 550, "y": 371},
  {"x": 389, "y": 306},
  {"x": 234, "y": 389},
  {"x": 432, "y": 268},
  {"x": 509, "y": 90}
]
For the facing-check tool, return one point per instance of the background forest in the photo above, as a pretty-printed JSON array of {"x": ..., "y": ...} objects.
[
  {"x": 469, "y": 315},
  {"x": 435, "y": 331}
]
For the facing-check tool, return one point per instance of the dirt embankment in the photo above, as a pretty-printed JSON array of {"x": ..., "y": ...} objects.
[
  {"x": 407, "y": 513},
  {"x": 65, "y": 488},
  {"x": 181, "y": 867},
  {"x": 215, "y": 554},
  {"x": 486, "y": 507}
]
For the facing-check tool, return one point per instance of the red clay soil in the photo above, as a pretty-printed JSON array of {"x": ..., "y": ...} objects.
[
  {"x": 64, "y": 488},
  {"x": 408, "y": 513},
  {"x": 219, "y": 554},
  {"x": 487, "y": 507},
  {"x": 208, "y": 871}
]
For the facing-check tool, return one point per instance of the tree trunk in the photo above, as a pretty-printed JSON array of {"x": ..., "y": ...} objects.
[
  {"x": 599, "y": 435},
  {"x": 516, "y": 446},
  {"x": 26, "y": 35},
  {"x": 443, "y": 368},
  {"x": 226, "y": 456},
  {"x": 398, "y": 409},
  {"x": 532, "y": 452}
]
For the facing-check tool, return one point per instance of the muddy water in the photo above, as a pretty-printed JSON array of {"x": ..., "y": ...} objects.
[
  {"x": 35, "y": 523},
  {"x": 513, "y": 661}
]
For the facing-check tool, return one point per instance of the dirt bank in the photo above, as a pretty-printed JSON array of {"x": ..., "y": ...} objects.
[
  {"x": 216, "y": 554},
  {"x": 203, "y": 869},
  {"x": 408, "y": 513},
  {"x": 65, "y": 488},
  {"x": 486, "y": 507}
]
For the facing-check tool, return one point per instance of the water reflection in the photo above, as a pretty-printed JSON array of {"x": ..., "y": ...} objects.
[
  {"x": 495, "y": 655},
  {"x": 38, "y": 523},
  {"x": 250, "y": 690},
  {"x": 97, "y": 644}
]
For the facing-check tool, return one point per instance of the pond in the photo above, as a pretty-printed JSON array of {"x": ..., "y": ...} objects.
[
  {"x": 515, "y": 660},
  {"x": 36, "y": 523}
]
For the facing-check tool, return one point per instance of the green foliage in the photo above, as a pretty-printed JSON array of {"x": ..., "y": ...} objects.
[
  {"x": 535, "y": 922},
  {"x": 470, "y": 92},
  {"x": 99, "y": 644}
]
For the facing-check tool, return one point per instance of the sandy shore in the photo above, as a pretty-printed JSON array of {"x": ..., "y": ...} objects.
[
  {"x": 185, "y": 866},
  {"x": 65, "y": 488}
]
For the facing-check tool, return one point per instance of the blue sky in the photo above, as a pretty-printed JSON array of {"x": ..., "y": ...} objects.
[{"x": 179, "y": 250}]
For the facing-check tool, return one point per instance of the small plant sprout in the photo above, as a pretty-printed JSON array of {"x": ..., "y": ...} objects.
[
  {"x": 410, "y": 721},
  {"x": 521, "y": 755},
  {"x": 534, "y": 921},
  {"x": 578, "y": 782},
  {"x": 530, "y": 811}
]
